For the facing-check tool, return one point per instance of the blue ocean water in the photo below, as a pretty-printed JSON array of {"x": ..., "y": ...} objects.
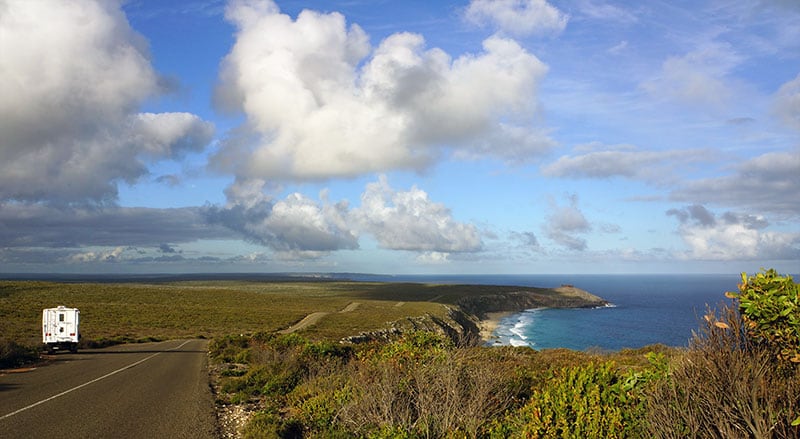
[{"x": 647, "y": 309}]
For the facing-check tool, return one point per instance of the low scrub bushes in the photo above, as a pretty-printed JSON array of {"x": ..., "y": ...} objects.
[
  {"x": 13, "y": 354},
  {"x": 739, "y": 377},
  {"x": 419, "y": 386},
  {"x": 423, "y": 386},
  {"x": 275, "y": 364}
]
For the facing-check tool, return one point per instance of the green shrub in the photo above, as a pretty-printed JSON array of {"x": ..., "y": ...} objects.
[
  {"x": 13, "y": 354},
  {"x": 415, "y": 347},
  {"x": 770, "y": 306},
  {"x": 230, "y": 349},
  {"x": 725, "y": 385},
  {"x": 594, "y": 400},
  {"x": 319, "y": 412},
  {"x": 391, "y": 432},
  {"x": 276, "y": 364},
  {"x": 267, "y": 424}
]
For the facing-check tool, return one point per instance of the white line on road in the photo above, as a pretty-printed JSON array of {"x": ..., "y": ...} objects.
[{"x": 90, "y": 382}]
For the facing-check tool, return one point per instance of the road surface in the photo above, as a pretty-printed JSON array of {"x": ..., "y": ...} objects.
[{"x": 149, "y": 390}]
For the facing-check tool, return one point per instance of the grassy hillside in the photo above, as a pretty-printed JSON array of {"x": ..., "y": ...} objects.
[{"x": 135, "y": 311}]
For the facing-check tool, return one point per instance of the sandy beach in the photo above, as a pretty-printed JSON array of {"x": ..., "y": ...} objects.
[{"x": 491, "y": 322}]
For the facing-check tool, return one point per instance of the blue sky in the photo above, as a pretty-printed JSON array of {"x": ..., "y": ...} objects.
[{"x": 473, "y": 136}]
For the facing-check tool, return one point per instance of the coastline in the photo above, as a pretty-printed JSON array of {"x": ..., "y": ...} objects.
[{"x": 490, "y": 323}]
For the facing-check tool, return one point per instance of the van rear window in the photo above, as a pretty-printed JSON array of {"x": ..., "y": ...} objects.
[{"x": 61, "y": 317}]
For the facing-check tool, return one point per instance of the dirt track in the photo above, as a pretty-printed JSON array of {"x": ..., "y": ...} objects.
[{"x": 315, "y": 317}]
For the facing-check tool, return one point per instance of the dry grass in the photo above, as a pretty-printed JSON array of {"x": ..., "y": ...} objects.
[
  {"x": 725, "y": 386},
  {"x": 436, "y": 398}
]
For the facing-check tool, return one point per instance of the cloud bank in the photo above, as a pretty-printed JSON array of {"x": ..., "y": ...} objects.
[
  {"x": 303, "y": 228},
  {"x": 37, "y": 225},
  {"x": 766, "y": 183},
  {"x": 624, "y": 161},
  {"x": 733, "y": 236}
]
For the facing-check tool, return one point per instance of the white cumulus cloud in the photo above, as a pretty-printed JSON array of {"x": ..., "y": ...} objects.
[
  {"x": 518, "y": 17},
  {"x": 112, "y": 255},
  {"x": 433, "y": 258},
  {"x": 297, "y": 227},
  {"x": 409, "y": 220},
  {"x": 72, "y": 76},
  {"x": 321, "y": 102}
]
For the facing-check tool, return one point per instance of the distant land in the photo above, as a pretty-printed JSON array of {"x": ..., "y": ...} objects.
[{"x": 178, "y": 277}]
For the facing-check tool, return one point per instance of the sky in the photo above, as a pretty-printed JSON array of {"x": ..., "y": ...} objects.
[{"x": 399, "y": 137}]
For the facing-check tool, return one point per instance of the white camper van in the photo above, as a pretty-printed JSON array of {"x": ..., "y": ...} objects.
[{"x": 60, "y": 328}]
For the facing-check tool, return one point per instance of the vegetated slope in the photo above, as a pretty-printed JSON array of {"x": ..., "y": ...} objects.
[
  {"x": 140, "y": 311},
  {"x": 465, "y": 305}
]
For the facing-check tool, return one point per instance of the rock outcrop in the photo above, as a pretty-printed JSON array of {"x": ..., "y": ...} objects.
[{"x": 515, "y": 301}]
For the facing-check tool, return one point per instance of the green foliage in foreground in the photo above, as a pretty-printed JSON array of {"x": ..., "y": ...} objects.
[
  {"x": 770, "y": 306},
  {"x": 592, "y": 400},
  {"x": 726, "y": 385},
  {"x": 422, "y": 385}
]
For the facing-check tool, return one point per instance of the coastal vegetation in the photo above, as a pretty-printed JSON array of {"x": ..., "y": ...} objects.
[
  {"x": 402, "y": 360},
  {"x": 730, "y": 382}
]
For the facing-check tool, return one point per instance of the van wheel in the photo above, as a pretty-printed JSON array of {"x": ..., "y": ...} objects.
[{"x": 73, "y": 348}]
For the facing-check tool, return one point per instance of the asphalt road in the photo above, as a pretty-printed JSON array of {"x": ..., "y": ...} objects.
[{"x": 150, "y": 390}]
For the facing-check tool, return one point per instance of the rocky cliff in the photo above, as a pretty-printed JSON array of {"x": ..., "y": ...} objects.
[
  {"x": 566, "y": 296},
  {"x": 462, "y": 322}
]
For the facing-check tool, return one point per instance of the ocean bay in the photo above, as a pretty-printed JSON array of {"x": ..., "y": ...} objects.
[{"x": 646, "y": 309}]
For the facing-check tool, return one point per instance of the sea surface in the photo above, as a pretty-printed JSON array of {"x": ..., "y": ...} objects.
[{"x": 646, "y": 309}]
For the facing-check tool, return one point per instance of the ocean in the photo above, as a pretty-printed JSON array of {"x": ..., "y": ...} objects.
[{"x": 646, "y": 309}]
